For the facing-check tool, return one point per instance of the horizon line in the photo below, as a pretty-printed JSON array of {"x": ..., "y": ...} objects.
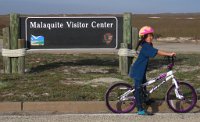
[{"x": 104, "y": 13}]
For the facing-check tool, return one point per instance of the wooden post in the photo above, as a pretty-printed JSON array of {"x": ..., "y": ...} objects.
[
  {"x": 14, "y": 36},
  {"x": 127, "y": 28},
  {"x": 135, "y": 41},
  {"x": 11, "y": 41},
  {"x": 21, "y": 60},
  {"x": 125, "y": 61},
  {"x": 6, "y": 45},
  {"x": 135, "y": 38}
]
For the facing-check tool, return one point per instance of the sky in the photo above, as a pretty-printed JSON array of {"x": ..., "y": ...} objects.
[{"x": 98, "y": 6}]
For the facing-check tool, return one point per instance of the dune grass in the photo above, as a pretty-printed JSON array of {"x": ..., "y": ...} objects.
[{"x": 61, "y": 77}]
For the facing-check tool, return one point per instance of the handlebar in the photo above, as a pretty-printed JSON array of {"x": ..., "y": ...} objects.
[{"x": 171, "y": 62}]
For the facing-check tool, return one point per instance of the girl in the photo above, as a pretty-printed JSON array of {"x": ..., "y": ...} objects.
[{"x": 139, "y": 68}]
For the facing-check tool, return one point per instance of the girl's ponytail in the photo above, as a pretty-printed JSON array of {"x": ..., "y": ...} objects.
[{"x": 141, "y": 41}]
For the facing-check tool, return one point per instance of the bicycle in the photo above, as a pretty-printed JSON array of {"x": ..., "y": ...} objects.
[{"x": 181, "y": 97}]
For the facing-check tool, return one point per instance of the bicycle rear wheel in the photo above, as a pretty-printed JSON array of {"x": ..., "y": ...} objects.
[
  {"x": 114, "y": 101},
  {"x": 185, "y": 104}
]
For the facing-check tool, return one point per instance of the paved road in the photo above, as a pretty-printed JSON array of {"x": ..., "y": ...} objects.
[
  {"x": 159, "y": 117},
  {"x": 179, "y": 47}
]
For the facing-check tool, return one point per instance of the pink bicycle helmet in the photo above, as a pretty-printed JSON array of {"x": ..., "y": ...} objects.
[{"x": 145, "y": 30}]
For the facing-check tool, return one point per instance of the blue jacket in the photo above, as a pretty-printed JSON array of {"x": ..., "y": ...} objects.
[{"x": 139, "y": 68}]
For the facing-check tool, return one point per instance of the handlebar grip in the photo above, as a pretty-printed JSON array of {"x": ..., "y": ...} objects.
[
  {"x": 173, "y": 58},
  {"x": 170, "y": 59}
]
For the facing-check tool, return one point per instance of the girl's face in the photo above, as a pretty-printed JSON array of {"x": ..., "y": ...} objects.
[{"x": 149, "y": 38}]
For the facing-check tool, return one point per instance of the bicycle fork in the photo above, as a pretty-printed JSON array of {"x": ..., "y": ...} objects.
[{"x": 176, "y": 90}]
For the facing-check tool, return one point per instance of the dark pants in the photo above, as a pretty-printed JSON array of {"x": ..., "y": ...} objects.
[{"x": 139, "y": 92}]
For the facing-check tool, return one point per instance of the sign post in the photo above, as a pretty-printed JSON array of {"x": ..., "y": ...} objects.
[
  {"x": 14, "y": 36},
  {"x": 13, "y": 57},
  {"x": 125, "y": 61}
]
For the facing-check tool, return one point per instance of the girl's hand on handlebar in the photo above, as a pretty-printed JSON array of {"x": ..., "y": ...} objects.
[
  {"x": 172, "y": 54},
  {"x": 163, "y": 53}
]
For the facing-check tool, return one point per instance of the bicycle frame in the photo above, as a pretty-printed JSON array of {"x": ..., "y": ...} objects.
[{"x": 166, "y": 76}]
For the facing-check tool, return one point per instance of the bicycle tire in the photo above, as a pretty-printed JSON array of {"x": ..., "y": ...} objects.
[
  {"x": 119, "y": 106},
  {"x": 189, "y": 101}
]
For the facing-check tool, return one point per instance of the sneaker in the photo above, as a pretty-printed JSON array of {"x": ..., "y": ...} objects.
[{"x": 143, "y": 112}]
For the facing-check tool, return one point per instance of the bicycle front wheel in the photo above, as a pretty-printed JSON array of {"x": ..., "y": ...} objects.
[
  {"x": 183, "y": 103},
  {"x": 117, "y": 101}
]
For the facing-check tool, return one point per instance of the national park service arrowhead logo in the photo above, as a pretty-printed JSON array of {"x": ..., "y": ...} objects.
[{"x": 108, "y": 37}]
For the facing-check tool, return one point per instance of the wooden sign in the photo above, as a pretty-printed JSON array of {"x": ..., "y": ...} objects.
[{"x": 72, "y": 32}]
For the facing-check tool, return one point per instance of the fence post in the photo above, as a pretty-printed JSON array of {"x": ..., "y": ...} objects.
[
  {"x": 125, "y": 61},
  {"x": 14, "y": 36},
  {"x": 135, "y": 38},
  {"x": 6, "y": 45},
  {"x": 11, "y": 41},
  {"x": 21, "y": 60},
  {"x": 127, "y": 26}
]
